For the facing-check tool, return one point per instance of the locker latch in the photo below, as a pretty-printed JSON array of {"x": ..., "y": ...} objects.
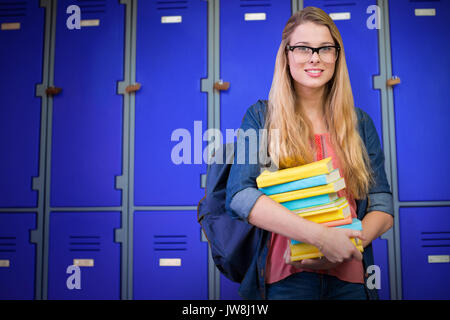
[
  {"x": 53, "y": 91},
  {"x": 133, "y": 88},
  {"x": 393, "y": 81},
  {"x": 221, "y": 85}
]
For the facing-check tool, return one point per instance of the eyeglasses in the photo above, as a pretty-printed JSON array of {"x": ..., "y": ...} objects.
[{"x": 327, "y": 54}]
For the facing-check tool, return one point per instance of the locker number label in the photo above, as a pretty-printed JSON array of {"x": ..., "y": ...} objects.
[
  {"x": 164, "y": 262},
  {"x": 4, "y": 263},
  {"x": 83, "y": 262},
  {"x": 171, "y": 19},
  {"x": 10, "y": 26},
  {"x": 439, "y": 259},
  {"x": 425, "y": 12}
]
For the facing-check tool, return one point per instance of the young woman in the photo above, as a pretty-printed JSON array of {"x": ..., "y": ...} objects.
[{"x": 311, "y": 105}]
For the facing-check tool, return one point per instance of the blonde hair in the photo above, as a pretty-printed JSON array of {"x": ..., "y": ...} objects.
[{"x": 294, "y": 144}]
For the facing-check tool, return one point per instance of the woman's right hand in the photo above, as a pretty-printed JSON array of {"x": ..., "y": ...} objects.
[{"x": 336, "y": 245}]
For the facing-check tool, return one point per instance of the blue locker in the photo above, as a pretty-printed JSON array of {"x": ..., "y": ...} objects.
[
  {"x": 87, "y": 115},
  {"x": 169, "y": 258},
  {"x": 17, "y": 256},
  {"x": 171, "y": 60},
  {"x": 85, "y": 239},
  {"x": 381, "y": 258},
  {"x": 361, "y": 52},
  {"x": 229, "y": 289},
  {"x": 420, "y": 100},
  {"x": 248, "y": 50},
  {"x": 21, "y": 49},
  {"x": 425, "y": 252}
]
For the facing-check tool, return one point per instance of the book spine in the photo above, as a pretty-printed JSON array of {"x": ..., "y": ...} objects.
[
  {"x": 307, "y": 202},
  {"x": 301, "y": 172},
  {"x": 310, "y": 192},
  {"x": 296, "y": 185}
]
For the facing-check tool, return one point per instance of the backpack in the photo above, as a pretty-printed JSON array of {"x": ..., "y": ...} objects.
[{"x": 233, "y": 242}]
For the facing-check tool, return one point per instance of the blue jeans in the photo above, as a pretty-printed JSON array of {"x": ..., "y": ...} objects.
[{"x": 314, "y": 286}]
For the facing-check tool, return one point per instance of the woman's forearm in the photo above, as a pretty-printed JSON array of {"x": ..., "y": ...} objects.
[
  {"x": 272, "y": 216},
  {"x": 374, "y": 224}
]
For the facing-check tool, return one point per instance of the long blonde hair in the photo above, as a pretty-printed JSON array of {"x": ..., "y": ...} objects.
[{"x": 294, "y": 144}]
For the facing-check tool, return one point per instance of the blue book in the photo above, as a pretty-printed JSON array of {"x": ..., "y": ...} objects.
[
  {"x": 310, "y": 202},
  {"x": 355, "y": 225},
  {"x": 315, "y": 181}
]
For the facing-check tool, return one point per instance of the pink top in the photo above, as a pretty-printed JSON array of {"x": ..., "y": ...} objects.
[{"x": 277, "y": 269}]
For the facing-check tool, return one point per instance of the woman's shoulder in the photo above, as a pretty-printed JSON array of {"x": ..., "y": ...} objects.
[{"x": 256, "y": 112}]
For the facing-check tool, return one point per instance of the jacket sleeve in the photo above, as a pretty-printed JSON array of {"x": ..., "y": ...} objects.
[
  {"x": 242, "y": 191},
  {"x": 380, "y": 195}
]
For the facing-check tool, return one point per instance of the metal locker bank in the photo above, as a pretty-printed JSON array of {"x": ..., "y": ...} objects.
[{"x": 421, "y": 136}]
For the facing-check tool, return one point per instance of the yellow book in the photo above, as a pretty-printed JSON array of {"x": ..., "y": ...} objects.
[
  {"x": 326, "y": 215},
  {"x": 309, "y": 192},
  {"x": 268, "y": 178},
  {"x": 302, "y": 251}
]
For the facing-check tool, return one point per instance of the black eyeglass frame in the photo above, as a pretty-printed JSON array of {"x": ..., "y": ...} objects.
[{"x": 291, "y": 48}]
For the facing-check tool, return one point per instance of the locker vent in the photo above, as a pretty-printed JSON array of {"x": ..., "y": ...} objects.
[
  {"x": 92, "y": 6},
  {"x": 255, "y": 3},
  {"x": 171, "y": 5},
  {"x": 337, "y": 3},
  {"x": 436, "y": 239},
  {"x": 13, "y": 9},
  {"x": 83, "y": 243},
  {"x": 170, "y": 242},
  {"x": 7, "y": 244}
]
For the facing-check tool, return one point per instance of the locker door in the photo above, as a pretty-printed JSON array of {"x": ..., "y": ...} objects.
[
  {"x": 21, "y": 47},
  {"x": 85, "y": 239},
  {"x": 381, "y": 258},
  {"x": 17, "y": 256},
  {"x": 170, "y": 260},
  {"x": 229, "y": 289},
  {"x": 420, "y": 45},
  {"x": 170, "y": 63},
  {"x": 361, "y": 51},
  {"x": 87, "y": 115},
  {"x": 247, "y": 53},
  {"x": 425, "y": 239}
]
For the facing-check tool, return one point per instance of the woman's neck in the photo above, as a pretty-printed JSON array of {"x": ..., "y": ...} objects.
[{"x": 310, "y": 100}]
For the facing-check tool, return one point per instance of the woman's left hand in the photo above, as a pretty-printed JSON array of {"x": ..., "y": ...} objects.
[{"x": 313, "y": 264}]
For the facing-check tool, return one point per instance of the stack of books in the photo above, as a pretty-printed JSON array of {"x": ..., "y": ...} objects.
[{"x": 310, "y": 191}]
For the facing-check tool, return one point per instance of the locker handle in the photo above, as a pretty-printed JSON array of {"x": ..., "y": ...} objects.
[
  {"x": 393, "y": 81},
  {"x": 133, "y": 88},
  {"x": 221, "y": 85},
  {"x": 53, "y": 91}
]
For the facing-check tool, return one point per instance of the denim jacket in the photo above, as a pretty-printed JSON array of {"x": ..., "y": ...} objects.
[{"x": 242, "y": 193}]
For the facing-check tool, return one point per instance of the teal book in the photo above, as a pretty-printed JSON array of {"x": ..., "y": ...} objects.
[
  {"x": 310, "y": 202},
  {"x": 303, "y": 183},
  {"x": 355, "y": 225}
]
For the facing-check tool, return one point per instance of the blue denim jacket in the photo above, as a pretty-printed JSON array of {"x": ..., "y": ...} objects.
[{"x": 242, "y": 193}]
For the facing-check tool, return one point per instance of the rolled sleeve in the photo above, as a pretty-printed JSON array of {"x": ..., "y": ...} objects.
[
  {"x": 380, "y": 195},
  {"x": 381, "y": 202},
  {"x": 243, "y": 202},
  {"x": 242, "y": 191}
]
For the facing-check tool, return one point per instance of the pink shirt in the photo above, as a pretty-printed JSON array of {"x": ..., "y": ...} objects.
[{"x": 277, "y": 269}]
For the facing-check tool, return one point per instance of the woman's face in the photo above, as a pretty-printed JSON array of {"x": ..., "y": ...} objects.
[{"x": 312, "y": 35}]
